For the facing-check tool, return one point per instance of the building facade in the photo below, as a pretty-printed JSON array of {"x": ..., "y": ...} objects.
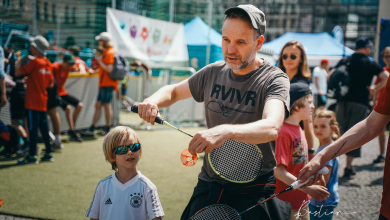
[{"x": 78, "y": 21}]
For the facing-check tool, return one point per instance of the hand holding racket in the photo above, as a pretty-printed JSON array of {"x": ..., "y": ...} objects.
[
  {"x": 309, "y": 169},
  {"x": 147, "y": 111},
  {"x": 233, "y": 161},
  {"x": 224, "y": 212}
]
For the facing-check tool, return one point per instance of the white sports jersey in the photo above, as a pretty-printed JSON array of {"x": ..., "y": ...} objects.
[{"x": 135, "y": 200}]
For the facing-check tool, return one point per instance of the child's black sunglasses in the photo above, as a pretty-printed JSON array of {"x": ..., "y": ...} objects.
[{"x": 125, "y": 148}]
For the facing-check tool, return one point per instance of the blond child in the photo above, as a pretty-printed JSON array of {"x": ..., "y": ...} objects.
[
  {"x": 126, "y": 194},
  {"x": 291, "y": 154},
  {"x": 326, "y": 130}
]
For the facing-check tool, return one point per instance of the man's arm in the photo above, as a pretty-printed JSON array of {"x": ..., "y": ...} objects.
[
  {"x": 18, "y": 55},
  {"x": 383, "y": 76},
  {"x": 355, "y": 137},
  {"x": 164, "y": 97},
  {"x": 261, "y": 131},
  {"x": 107, "y": 67},
  {"x": 317, "y": 86}
]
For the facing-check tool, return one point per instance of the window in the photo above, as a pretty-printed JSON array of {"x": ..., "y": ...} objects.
[
  {"x": 37, "y": 12},
  {"x": 6, "y": 3},
  {"x": 74, "y": 15},
  {"x": 53, "y": 13},
  {"x": 66, "y": 15},
  {"x": 21, "y": 4},
  {"x": 45, "y": 12},
  {"x": 88, "y": 19}
]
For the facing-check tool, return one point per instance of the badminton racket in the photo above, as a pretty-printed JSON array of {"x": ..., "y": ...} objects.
[
  {"x": 225, "y": 212},
  {"x": 233, "y": 161}
]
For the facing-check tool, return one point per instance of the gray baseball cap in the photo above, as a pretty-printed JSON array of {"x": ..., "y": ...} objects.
[
  {"x": 257, "y": 17},
  {"x": 40, "y": 43}
]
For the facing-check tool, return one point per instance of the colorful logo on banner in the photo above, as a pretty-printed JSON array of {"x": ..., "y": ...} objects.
[
  {"x": 167, "y": 40},
  {"x": 122, "y": 24},
  {"x": 144, "y": 33},
  {"x": 131, "y": 35},
  {"x": 133, "y": 31},
  {"x": 156, "y": 35}
]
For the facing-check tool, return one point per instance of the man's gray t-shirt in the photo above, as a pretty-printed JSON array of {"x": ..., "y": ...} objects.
[{"x": 234, "y": 99}]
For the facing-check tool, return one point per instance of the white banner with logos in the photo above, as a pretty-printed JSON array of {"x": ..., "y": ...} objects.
[{"x": 145, "y": 38}]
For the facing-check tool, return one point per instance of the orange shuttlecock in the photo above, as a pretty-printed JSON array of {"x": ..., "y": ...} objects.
[
  {"x": 187, "y": 159},
  {"x": 1, "y": 202}
]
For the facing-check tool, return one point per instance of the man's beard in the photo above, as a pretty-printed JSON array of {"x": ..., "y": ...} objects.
[{"x": 244, "y": 63}]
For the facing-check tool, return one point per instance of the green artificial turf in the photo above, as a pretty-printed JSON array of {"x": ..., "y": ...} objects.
[{"x": 63, "y": 189}]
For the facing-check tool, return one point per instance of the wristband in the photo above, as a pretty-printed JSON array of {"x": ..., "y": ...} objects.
[{"x": 311, "y": 151}]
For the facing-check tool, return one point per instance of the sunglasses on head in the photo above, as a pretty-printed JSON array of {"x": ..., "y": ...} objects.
[
  {"x": 125, "y": 148},
  {"x": 292, "y": 56}
]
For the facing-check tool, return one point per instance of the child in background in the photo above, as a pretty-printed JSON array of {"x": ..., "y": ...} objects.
[
  {"x": 326, "y": 130},
  {"x": 40, "y": 77},
  {"x": 291, "y": 154},
  {"x": 126, "y": 194}
]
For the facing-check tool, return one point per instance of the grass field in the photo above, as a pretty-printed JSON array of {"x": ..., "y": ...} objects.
[{"x": 64, "y": 188}]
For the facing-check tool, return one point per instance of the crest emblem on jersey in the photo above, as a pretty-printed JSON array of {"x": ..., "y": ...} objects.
[{"x": 136, "y": 200}]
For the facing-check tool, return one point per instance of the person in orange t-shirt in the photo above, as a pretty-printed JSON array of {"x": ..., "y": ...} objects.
[
  {"x": 291, "y": 154},
  {"x": 61, "y": 71},
  {"x": 79, "y": 65},
  {"x": 382, "y": 137},
  {"x": 106, "y": 84},
  {"x": 40, "y": 77}
]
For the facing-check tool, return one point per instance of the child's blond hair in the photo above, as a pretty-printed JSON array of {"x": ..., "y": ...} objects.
[
  {"x": 115, "y": 138},
  {"x": 324, "y": 113},
  {"x": 300, "y": 103}
]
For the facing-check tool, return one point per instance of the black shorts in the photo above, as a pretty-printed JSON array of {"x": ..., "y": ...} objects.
[
  {"x": 53, "y": 98},
  {"x": 348, "y": 114},
  {"x": 66, "y": 100},
  {"x": 105, "y": 94},
  {"x": 16, "y": 101},
  {"x": 320, "y": 100}
]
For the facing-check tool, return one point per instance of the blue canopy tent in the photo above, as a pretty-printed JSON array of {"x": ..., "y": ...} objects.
[
  {"x": 196, "y": 33},
  {"x": 317, "y": 46}
]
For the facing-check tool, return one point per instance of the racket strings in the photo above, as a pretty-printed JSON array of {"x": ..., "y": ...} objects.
[
  {"x": 217, "y": 212},
  {"x": 237, "y": 161}
]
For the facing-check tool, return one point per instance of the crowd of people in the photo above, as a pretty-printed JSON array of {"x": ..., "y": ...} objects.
[
  {"x": 279, "y": 102},
  {"x": 38, "y": 88}
]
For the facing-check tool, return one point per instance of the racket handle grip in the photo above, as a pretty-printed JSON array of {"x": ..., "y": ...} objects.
[
  {"x": 322, "y": 171},
  {"x": 158, "y": 119}
]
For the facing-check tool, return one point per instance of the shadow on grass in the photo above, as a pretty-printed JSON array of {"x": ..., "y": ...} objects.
[
  {"x": 6, "y": 166},
  {"x": 21, "y": 216},
  {"x": 10, "y": 158},
  {"x": 88, "y": 138}
]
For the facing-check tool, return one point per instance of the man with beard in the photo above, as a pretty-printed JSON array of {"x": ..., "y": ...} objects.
[{"x": 246, "y": 99}]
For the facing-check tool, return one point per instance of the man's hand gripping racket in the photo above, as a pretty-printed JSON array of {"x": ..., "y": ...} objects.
[{"x": 186, "y": 158}]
